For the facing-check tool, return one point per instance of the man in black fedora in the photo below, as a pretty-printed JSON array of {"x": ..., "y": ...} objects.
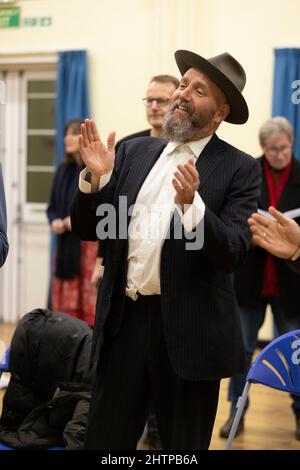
[{"x": 167, "y": 325}]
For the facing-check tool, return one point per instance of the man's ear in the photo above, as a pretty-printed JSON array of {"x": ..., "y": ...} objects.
[{"x": 222, "y": 112}]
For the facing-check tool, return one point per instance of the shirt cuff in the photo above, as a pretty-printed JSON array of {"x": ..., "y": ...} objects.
[
  {"x": 85, "y": 185},
  {"x": 195, "y": 213},
  {"x": 296, "y": 255}
]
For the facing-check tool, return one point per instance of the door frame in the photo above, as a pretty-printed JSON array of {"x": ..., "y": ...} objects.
[{"x": 13, "y": 155}]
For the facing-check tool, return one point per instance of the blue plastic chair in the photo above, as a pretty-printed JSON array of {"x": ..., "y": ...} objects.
[
  {"x": 277, "y": 366},
  {"x": 4, "y": 362},
  {"x": 4, "y": 367}
]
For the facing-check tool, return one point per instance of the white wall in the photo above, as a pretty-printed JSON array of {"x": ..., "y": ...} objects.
[
  {"x": 129, "y": 41},
  {"x": 250, "y": 30}
]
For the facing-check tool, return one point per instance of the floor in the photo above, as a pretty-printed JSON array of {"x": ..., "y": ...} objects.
[{"x": 269, "y": 423}]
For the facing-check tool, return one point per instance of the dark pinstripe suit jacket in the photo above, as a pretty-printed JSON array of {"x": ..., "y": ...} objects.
[{"x": 199, "y": 311}]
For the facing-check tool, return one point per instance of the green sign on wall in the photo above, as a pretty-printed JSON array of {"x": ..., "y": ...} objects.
[{"x": 9, "y": 17}]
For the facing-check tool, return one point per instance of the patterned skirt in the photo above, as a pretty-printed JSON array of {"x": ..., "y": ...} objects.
[{"x": 77, "y": 296}]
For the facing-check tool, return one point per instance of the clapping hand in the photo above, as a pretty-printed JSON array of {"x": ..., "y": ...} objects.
[
  {"x": 97, "y": 157},
  {"x": 186, "y": 182},
  {"x": 280, "y": 236}
]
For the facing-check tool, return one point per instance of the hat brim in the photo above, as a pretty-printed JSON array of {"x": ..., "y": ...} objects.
[{"x": 239, "y": 112}]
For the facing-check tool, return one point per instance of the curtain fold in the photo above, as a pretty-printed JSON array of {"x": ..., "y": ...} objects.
[
  {"x": 286, "y": 90},
  {"x": 72, "y": 93},
  {"x": 72, "y": 101}
]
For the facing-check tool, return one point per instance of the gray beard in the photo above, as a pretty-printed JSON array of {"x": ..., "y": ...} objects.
[{"x": 179, "y": 130}]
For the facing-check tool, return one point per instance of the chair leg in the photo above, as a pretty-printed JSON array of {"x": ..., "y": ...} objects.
[{"x": 240, "y": 409}]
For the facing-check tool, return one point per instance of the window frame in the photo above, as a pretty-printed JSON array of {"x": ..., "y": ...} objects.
[{"x": 33, "y": 212}]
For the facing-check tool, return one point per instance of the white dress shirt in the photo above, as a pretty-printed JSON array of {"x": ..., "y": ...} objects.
[{"x": 152, "y": 213}]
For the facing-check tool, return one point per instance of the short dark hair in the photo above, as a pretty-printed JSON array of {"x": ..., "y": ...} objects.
[{"x": 165, "y": 79}]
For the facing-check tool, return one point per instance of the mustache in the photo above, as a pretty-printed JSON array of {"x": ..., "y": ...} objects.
[{"x": 188, "y": 107}]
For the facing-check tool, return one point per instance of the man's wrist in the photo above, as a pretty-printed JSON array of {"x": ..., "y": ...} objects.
[
  {"x": 87, "y": 185},
  {"x": 95, "y": 181}
]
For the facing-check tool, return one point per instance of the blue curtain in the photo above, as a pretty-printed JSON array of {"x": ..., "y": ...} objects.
[
  {"x": 72, "y": 93},
  {"x": 286, "y": 90},
  {"x": 72, "y": 101}
]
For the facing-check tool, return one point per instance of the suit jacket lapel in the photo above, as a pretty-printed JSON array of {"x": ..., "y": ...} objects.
[
  {"x": 209, "y": 159},
  {"x": 141, "y": 166}
]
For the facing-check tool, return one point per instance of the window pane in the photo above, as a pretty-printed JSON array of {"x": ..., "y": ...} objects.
[
  {"x": 40, "y": 150},
  {"x": 41, "y": 86},
  {"x": 39, "y": 186},
  {"x": 41, "y": 114}
]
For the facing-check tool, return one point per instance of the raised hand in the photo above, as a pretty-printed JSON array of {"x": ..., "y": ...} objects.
[
  {"x": 186, "y": 182},
  {"x": 97, "y": 157}
]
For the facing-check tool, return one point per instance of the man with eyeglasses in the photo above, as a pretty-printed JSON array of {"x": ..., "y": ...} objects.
[
  {"x": 157, "y": 103},
  {"x": 266, "y": 279}
]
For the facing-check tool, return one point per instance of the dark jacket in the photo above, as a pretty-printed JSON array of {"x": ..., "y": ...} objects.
[
  {"x": 64, "y": 187},
  {"x": 199, "y": 311},
  {"x": 250, "y": 277},
  {"x": 49, "y": 352},
  {"x": 145, "y": 133}
]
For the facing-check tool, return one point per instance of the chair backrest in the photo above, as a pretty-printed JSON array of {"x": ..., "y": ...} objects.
[{"x": 278, "y": 364}]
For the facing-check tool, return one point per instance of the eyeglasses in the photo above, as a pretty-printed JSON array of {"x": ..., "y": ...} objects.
[
  {"x": 274, "y": 151},
  {"x": 159, "y": 101}
]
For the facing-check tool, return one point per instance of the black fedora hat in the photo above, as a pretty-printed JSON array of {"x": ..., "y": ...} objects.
[{"x": 226, "y": 72}]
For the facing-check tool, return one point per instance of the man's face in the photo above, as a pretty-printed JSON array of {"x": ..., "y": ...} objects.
[
  {"x": 278, "y": 152},
  {"x": 159, "y": 99},
  {"x": 198, "y": 107}
]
